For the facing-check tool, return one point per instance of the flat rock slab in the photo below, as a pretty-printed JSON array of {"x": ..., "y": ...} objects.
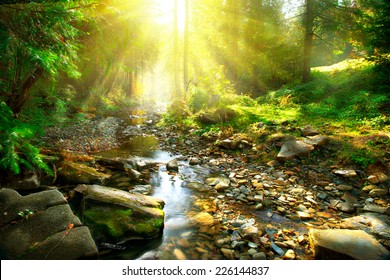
[
  {"x": 47, "y": 229},
  {"x": 345, "y": 243}
]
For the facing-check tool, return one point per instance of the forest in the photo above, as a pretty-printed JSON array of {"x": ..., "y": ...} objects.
[{"x": 208, "y": 129}]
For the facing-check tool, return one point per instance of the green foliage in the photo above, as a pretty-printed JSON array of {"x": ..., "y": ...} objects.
[
  {"x": 25, "y": 214},
  {"x": 362, "y": 158},
  {"x": 15, "y": 147},
  {"x": 352, "y": 91}
]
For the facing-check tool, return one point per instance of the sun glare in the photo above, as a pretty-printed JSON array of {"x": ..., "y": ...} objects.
[{"x": 166, "y": 12}]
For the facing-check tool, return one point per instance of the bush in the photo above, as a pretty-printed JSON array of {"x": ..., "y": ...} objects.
[{"x": 15, "y": 147}]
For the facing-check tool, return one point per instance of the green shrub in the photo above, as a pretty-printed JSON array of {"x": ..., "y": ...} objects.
[{"x": 15, "y": 147}]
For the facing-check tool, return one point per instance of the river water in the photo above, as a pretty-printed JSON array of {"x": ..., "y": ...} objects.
[{"x": 193, "y": 212}]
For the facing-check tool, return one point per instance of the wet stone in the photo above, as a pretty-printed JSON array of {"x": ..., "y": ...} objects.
[{"x": 259, "y": 256}]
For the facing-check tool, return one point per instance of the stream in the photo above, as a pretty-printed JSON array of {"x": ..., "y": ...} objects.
[{"x": 198, "y": 220}]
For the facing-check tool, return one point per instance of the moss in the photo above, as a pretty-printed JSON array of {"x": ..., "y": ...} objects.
[{"x": 121, "y": 223}]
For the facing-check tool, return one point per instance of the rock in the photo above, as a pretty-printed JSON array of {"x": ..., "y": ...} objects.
[
  {"x": 372, "y": 223},
  {"x": 203, "y": 219},
  {"x": 378, "y": 192},
  {"x": 141, "y": 189},
  {"x": 24, "y": 182},
  {"x": 344, "y": 188},
  {"x": 179, "y": 255},
  {"x": 133, "y": 174},
  {"x": 42, "y": 226},
  {"x": 173, "y": 165},
  {"x": 220, "y": 187},
  {"x": 220, "y": 184},
  {"x": 290, "y": 255},
  {"x": 228, "y": 253},
  {"x": 194, "y": 161},
  {"x": 346, "y": 207},
  {"x": 183, "y": 242},
  {"x": 346, "y": 173},
  {"x": 228, "y": 144},
  {"x": 113, "y": 163},
  {"x": 248, "y": 231},
  {"x": 259, "y": 206},
  {"x": 344, "y": 243},
  {"x": 197, "y": 186},
  {"x": 292, "y": 149},
  {"x": 221, "y": 242},
  {"x": 76, "y": 173},
  {"x": 272, "y": 163},
  {"x": 322, "y": 195},
  {"x": 317, "y": 141},
  {"x": 259, "y": 256},
  {"x": 213, "y": 181},
  {"x": 304, "y": 215},
  {"x": 309, "y": 131},
  {"x": 375, "y": 208},
  {"x": 117, "y": 215},
  {"x": 377, "y": 178},
  {"x": 369, "y": 188},
  {"x": 252, "y": 251}
]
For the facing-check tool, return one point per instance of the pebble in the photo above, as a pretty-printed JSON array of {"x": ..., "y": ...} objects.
[
  {"x": 344, "y": 188},
  {"x": 345, "y": 207},
  {"x": 252, "y": 251},
  {"x": 228, "y": 253},
  {"x": 304, "y": 215},
  {"x": 290, "y": 255},
  {"x": 259, "y": 206},
  {"x": 179, "y": 254},
  {"x": 259, "y": 256}
]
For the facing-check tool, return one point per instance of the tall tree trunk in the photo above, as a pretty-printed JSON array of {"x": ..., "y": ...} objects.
[
  {"x": 308, "y": 41},
  {"x": 186, "y": 47},
  {"x": 260, "y": 27},
  {"x": 20, "y": 95},
  {"x": 176, "y": 50},
  {"x": 234, "y": 19}
]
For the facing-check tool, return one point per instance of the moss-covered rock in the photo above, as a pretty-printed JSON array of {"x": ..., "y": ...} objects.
[{"x": 116, "y": 215}]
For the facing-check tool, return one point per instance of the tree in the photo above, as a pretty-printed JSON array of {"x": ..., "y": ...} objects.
[
  {"x": 176, "y": 50},
  {"x": 36, "y": 39},
  {"x": 308, "y": 41},
  {"x": 186, "y": 46}
]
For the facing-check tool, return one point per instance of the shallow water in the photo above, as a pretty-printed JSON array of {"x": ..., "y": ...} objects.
[{"x": 179, "y": 199}]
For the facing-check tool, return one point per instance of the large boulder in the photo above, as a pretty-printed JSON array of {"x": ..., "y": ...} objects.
[
  {"x": 42, "y": 226},
  {"x": 346, "y": 244},
  {"x": 293, "y": 149},
  {"x": 77, "y": 173},
  {"x": 117, "y": 216}
]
